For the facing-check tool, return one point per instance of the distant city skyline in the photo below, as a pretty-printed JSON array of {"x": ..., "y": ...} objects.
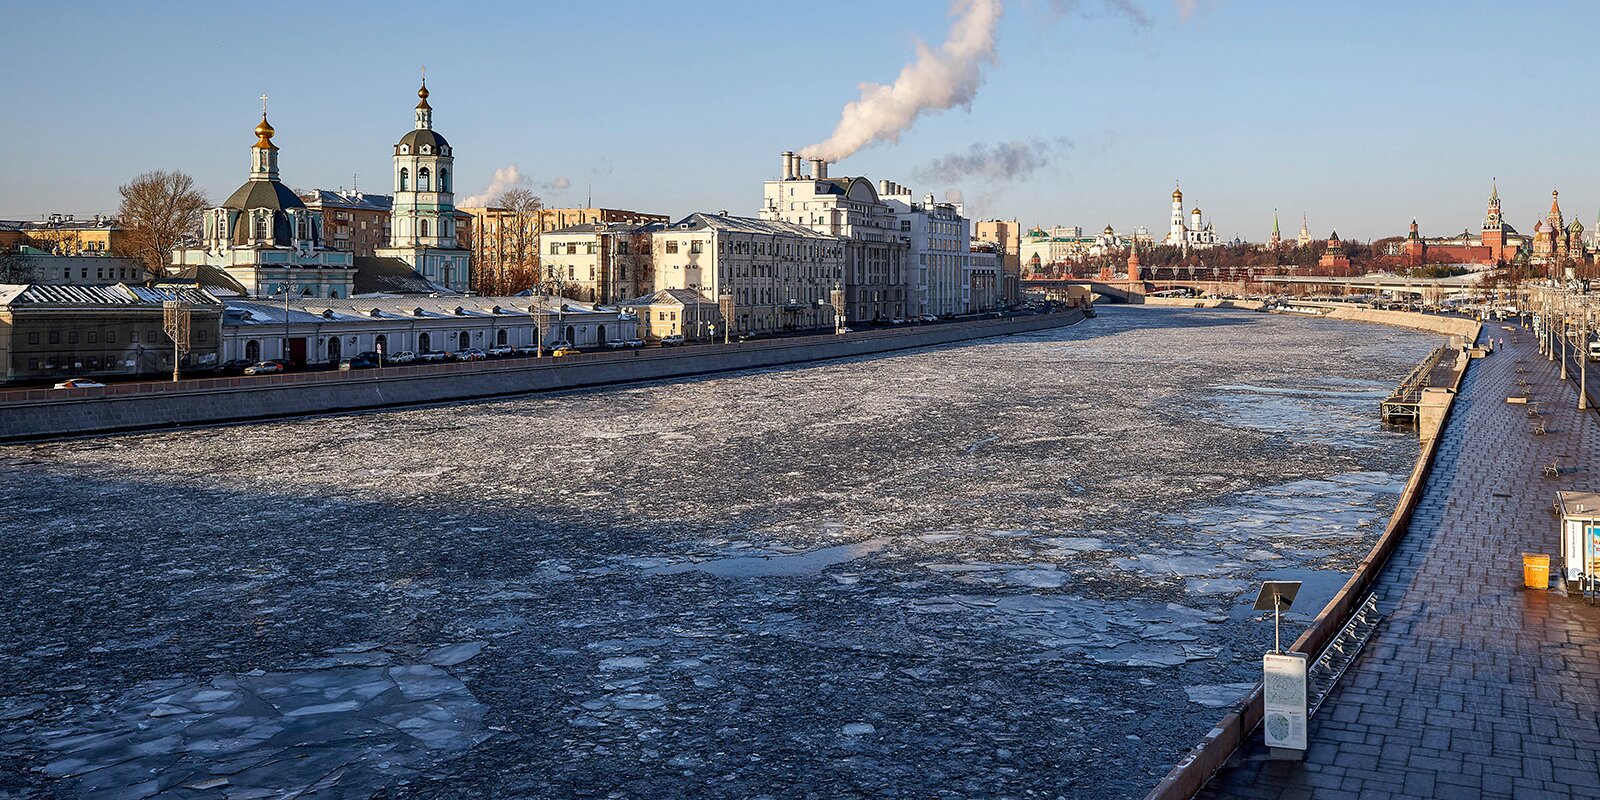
[{"x": 1360, "y": 115}]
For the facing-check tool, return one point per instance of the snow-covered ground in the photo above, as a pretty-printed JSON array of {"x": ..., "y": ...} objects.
[{"x": 1016, "y": 567}]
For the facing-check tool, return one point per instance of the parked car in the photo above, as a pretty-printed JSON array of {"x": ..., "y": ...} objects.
[
  {"x": 558, "y": 343},
  {"x": 746, "y": 336},
  {"x": 672, "y": 341},
  {"x": 359, "y": 362},
  {"x": 430, "y": 358},
  {"x": 566, "y": 350},
  {"x": 264, "y": 368},
  {"x": 502, "y": 351},
  {"x": 897, "y": 321},
  {"x": 402, "y": 357},
  {"x": 633, "y": 343},
  {"x": 928, "y": 318},
  {"x": 468, "y": 355},
  {"x": 235, "y": 366},
  {"x": 846, "y": 329},
  {"x": 79, "y": 383},
  {"x": 616, "y": 344},
  {"x": 528, "y": 350}
]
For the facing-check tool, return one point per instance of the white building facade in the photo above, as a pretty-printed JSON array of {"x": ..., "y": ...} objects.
[
  {"x": 327, "y": 331},
  {"x": 938, "y": 272}
]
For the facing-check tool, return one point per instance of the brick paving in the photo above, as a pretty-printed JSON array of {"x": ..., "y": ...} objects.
[{"x": 1472, "y": 686}]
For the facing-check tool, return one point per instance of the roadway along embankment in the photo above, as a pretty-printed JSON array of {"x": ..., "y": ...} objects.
[{"x": 46, "y": 413}]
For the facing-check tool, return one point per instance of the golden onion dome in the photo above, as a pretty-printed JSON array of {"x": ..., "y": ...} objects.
[
  {"x": 264, "y": 133},
  {"x": 1196, "y": 211},
  {"x": 1177, "y": 195},
  {"x": 423, "y": 94}
]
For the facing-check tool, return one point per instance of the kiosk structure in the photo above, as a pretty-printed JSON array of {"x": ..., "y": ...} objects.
[{"x": 1580, "y": 540}]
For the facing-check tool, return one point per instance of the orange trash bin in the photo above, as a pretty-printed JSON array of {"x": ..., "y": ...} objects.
[{"x": 1536, "y": 570}]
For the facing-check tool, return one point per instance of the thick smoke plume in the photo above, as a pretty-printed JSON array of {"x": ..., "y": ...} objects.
[
  {"x": 994, "y": 163},
  {"x": 935, "y": 81},
  {"x": 510, "y": 177}
]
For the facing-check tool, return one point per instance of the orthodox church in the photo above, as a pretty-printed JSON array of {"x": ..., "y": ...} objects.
[
  {"x": 422, "y": 230},
  {"x": 263, "y": 241},
  {"x": 1194, "y": 235}
]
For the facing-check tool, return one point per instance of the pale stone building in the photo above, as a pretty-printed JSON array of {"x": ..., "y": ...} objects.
[
  {"x": 779, "y": 275},
  {"x": 936, "y": 276},
  {"x": 600, "y": 262},
  {"x": 326, "y": 331},
  {"x": 876, "y": 251}
]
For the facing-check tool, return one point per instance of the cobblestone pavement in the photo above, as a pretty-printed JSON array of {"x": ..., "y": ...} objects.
[{"x": 1473, "y": 686}]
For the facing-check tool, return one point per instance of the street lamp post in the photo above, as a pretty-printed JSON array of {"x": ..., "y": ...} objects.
[{"x": 288, "y": 287}]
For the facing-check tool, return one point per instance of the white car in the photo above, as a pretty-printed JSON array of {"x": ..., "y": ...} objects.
[
  {"x": 402, "y": 357},
  {"x": 502, "y": 352},
  {"x": 80, "y": 383},
  {"x": 431, "y": 357},
  {"x": 633, "y": 343},
  {"x": 616, "y": 344}
]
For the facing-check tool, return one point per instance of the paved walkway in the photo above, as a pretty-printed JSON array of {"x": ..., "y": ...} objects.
[{"x": 1472, "y": 686}]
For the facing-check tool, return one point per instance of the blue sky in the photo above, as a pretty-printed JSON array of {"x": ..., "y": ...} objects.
[{"x": 1362, "y": 115}]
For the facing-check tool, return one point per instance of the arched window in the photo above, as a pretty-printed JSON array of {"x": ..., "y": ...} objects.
[
  {"x": 464, "y": 341},
  {"x": 405, "y": 179},
  {"x": 600, "y": 337},
  {"x": 500, "y": 337},
  {"x": 422, "y": 179},
  {"x": 261, "y": 226},
  {"x": 571, "y": 335},
  {"x": 422, "y": 227},
  {"x": 424, "y": 343},
  {"x": 380, "y": 343},
  {"x": 444, "y": 180},
  {"x": 335, "y": 349},
  {"x": 252, "y": 350}
]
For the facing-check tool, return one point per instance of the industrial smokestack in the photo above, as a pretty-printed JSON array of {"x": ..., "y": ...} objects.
[
  {"x": 789, "y": 169},
  {"x": 819, "y": 168}
]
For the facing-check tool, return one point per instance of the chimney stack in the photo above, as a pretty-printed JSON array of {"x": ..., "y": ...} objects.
[
  {"x": 884, "y": 186},
  {"x": 819, "y": 169},
  {"x": 789, "y": 168}
]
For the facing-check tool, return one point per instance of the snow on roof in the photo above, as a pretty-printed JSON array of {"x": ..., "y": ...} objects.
[
  {"x": 366, "y": 309},
  {"x": 115, "y": 295},
  {"x": 723, "y": 222}
]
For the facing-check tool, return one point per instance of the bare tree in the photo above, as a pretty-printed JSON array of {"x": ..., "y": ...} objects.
[
  {"x": 159, "y": 209},
  {"x": 518, "y": 265}
]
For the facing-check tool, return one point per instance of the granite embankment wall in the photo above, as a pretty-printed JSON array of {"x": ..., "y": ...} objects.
[
  {"x": 1191, "y": 773},
  {"x": 44, "y": 413}
]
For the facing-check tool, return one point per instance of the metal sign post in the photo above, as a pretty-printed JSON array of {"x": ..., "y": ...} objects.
[
  {"x": 175, "y": 319},
  {"x": 1284, "y": 694}
]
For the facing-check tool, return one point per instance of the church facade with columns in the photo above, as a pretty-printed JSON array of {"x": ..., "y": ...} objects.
[{"x": 266, "y": 239}]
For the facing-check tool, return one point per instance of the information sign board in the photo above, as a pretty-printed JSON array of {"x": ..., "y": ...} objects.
[{"x": 1284, "y": 700}]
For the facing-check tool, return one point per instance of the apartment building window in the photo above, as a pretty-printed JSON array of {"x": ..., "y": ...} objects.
[
  {"x": 111, "y": 337},
  {"x": 150, "y": 337},
  {"x": 672, "y": 247},
  {"x": 33, "y": 338},
  {"x": 55, "y": 337},
  {"x": 94, "y": 337},
  {"x": 572, "y": 249},
  {"x": 696, "y": 247},
  {"x": 555, "y": 248}
]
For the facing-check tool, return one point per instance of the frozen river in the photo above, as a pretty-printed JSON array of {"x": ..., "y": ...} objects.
[{"x": 1018, "y": 567}]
